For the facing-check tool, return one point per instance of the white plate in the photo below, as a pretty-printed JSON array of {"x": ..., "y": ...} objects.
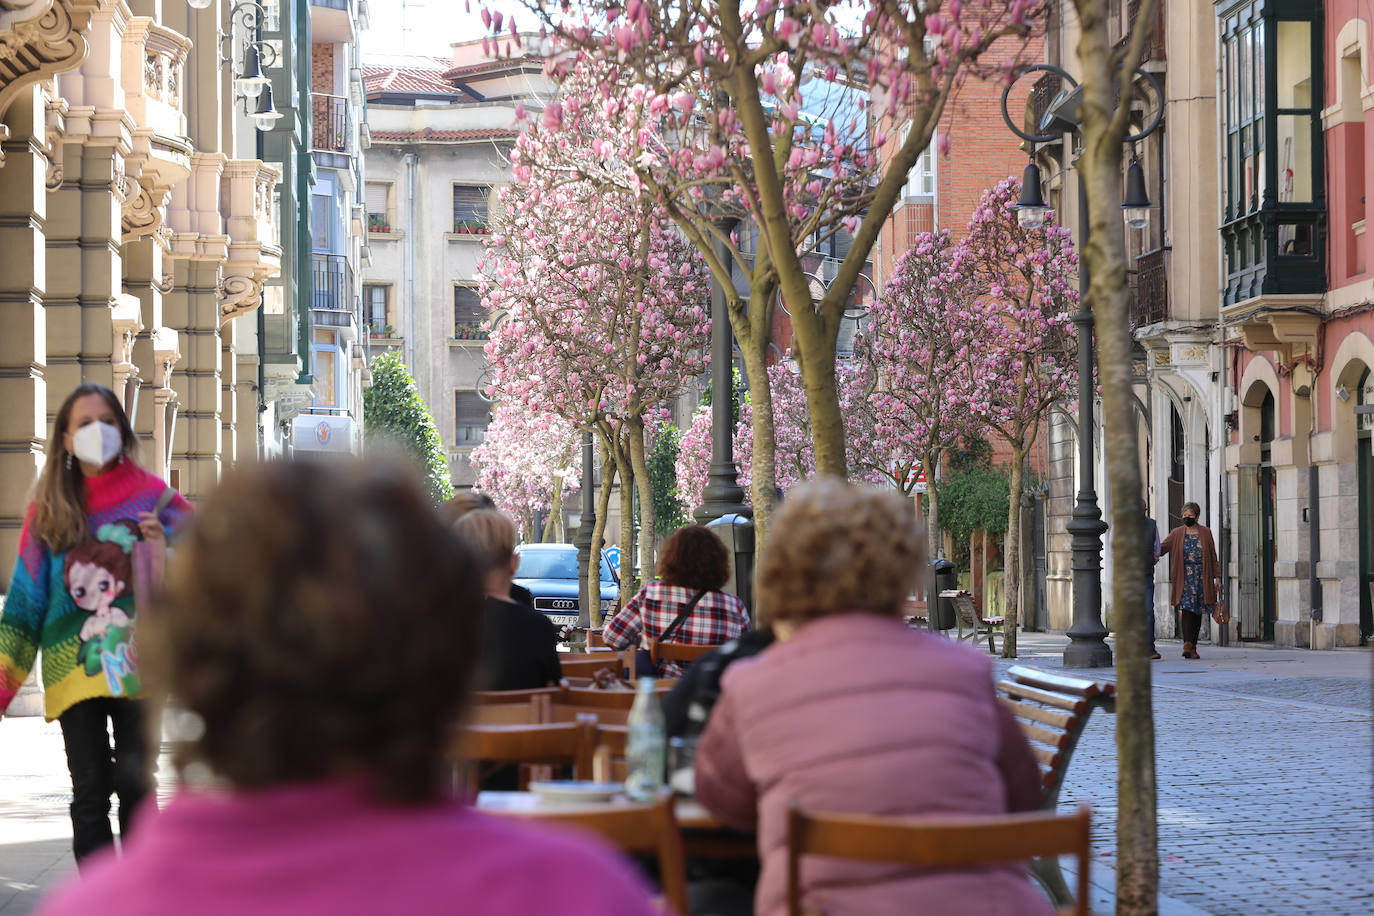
[
  {"x": 576, "y": 790},
  {"x": 562, "y": 620}
]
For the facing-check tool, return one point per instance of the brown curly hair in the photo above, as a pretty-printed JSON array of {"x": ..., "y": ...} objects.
[
  {"x": 834, "y": 548},
  {"x": 320, "y": 618},
  {"x": 694, "y": 557}
]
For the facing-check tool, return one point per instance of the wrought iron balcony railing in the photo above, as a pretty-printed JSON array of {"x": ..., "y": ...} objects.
[
  {"x": 1150, "y": 304},
  {"x": 331, "y": 128}
]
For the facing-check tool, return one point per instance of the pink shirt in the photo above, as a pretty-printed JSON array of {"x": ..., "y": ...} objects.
[{"x": 303, "y": 850}]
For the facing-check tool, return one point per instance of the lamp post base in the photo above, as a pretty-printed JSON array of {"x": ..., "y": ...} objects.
[
  {"x": 722, "y": 494},
  {"x": 1087, "y": 646}
]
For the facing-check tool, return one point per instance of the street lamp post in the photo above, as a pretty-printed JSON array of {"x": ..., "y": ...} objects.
[
  {"x": 1087, "y": 646},
  {"x": 722, "y": 494}
]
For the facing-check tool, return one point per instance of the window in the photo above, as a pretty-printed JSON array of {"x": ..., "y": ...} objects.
[
  {"x": 471, "y": 415},
  {"x": 327, "y": 359},
  {"x": 920, "y": 181},
  {"x": 470, "y": 209},
  {"x": 377, "y": 303},
  {"x": 322, "y": 221},
  {"x": 1273, "y": 171},
  {"x": 378, "y": 201},
  {"x": 468, "y": 313}
]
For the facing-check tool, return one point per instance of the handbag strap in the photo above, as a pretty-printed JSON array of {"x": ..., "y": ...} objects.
[{"x": 677, "y": 621}]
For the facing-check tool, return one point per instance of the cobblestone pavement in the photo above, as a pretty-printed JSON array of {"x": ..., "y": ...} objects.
[
  {"x": 1263, "y": 763},
  {"x": 1264, "y": 777}
]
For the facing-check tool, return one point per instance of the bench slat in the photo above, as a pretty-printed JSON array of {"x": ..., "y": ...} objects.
[
  {"x": 1073, "y": 705},
  {"x": 1039, "y": 714},
  {"x": 1056, "y": 740},
  {"x": 1033, "y": 677},
  {"x": 1047, "y": 758}
]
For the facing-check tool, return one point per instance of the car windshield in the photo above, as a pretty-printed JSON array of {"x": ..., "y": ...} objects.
[{"x": 554, "y": 564}]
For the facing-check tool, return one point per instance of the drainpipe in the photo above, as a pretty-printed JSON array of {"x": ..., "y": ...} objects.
[
  {"x": 1314, "y": 528},
  {"x": 411, "y": 159}
]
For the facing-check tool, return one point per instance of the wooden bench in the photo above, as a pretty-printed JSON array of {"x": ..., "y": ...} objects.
[
  {"x": 966, "y": 615},
  {"x": 1052, "y": 710}
]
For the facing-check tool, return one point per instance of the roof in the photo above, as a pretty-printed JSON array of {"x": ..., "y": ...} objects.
[
  {"x": 418, "y": 81},
  {"x": 483, "y": 68},
  {"x": 430, "y": 135}
]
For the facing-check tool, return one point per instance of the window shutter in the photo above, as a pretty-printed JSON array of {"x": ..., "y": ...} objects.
[
  {"x": 377, "y": 196},
  {"x": 467, "y": 305},
  {"x": 469, "y": 205}
]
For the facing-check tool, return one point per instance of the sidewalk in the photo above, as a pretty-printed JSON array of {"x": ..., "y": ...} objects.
[{"x": 1263, "y": 767}]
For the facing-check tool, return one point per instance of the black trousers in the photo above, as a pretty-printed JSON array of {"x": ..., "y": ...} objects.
[
  {"x": 1192, "y": 625},
  {"x": 99, "y": 770}
]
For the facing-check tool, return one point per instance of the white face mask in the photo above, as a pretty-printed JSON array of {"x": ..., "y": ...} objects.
[{"x": 97, "y": 443}]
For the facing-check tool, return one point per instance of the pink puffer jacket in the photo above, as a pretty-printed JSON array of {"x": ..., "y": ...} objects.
[{"x": 860, "y": 713}]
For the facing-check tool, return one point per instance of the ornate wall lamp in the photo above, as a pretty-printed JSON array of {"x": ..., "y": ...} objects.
[{"x": 249, "y": 80}]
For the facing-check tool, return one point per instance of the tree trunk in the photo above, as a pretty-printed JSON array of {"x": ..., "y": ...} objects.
[
  {"x": 928, "y": 462},
  {"x": 763, "y": 478},
  {"x": 647, "y": 519},
  {"x": 1104, "y": 125},
  {"x": 823, "y": 407},
  {"x": 555, "y": 522},
  {"x": 1011, "y": 555},
  {"x": 625, "y": 473},
  {"x": 603, "y": 507}
]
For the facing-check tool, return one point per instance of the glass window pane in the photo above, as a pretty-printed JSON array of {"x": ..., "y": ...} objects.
[
  {"x": 324, "y": 377},
  {"x": 1295, "y": 239},
  {"x": 1295, "y": 158},
  {"x": 1247, "y": 73},
  {"x": 1259, "y": 71},
  {"x": 1294, "y": 65}
]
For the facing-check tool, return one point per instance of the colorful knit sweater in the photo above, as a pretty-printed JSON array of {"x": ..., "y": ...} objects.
[{"x": 78, "y": 605}]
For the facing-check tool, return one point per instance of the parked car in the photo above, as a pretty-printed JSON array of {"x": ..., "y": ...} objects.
[{"x": 549, "y": 571}]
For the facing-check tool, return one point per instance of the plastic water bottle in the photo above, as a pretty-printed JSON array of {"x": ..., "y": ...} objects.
[{"x": 644, "y": 747}]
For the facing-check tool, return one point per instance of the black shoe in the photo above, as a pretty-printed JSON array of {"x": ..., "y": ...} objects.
[{"x": 1154, "y": 655}]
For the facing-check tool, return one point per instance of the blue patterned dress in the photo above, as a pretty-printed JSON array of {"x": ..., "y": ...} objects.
[{"x": 1192, "y": 575}]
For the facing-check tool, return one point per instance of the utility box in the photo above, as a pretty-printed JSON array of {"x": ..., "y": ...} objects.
[{"x": 736, "y": 532}]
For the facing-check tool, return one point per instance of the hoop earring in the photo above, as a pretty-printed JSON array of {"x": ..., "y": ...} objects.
[{"x": 69, "y": 461}]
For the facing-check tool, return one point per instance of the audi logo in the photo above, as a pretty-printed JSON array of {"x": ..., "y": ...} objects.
[{"x": 563, "y": 604}]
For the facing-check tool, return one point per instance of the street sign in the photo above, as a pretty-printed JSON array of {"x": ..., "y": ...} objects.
[
  {"x": 916, "y": 476},
  {"x": 613, "y": 557}
]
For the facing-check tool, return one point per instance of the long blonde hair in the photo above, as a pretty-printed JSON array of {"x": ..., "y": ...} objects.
[{"x": 59, "y": 519}]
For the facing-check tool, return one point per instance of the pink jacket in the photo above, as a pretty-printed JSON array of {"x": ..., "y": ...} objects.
[
  {"x": 860, "y": 713},
  {"x": 327, "y": 848}
]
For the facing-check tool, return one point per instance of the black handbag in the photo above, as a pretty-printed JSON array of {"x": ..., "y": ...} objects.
[{"x": 644, "y": 659}]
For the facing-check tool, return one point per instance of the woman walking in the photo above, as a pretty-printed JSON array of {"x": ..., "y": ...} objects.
[
  {"x": 1194, "y": 576},
  {"x": 72, "y": 595}
]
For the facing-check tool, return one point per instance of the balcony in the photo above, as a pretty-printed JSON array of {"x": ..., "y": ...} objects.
[
  {"x": 1150, "y": 302},
  {"x": 333, "y": 283},
  {"x": 1154, "y": 49},
  {"x": 1044, "y": 91},
  {"x": 331, "y": 126}
]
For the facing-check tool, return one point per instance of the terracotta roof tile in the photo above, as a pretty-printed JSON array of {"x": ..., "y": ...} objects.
[
  {"x": 492, "y": 66},
  {"x": 410, "y": 81},
  {"x": 430, "y": 135}
]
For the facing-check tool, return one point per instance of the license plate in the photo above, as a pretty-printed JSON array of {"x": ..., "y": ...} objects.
[{"x": 562, "y": 620}]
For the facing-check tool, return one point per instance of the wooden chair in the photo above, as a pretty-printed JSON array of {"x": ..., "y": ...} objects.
[
  {"x": 938, "y": 843},
  {"x": 678, "y": 652},
  {"x": 608, "y": 760},
  {"x": 638, "y": 829},
  {"x": 966, "y": 615},
  {"x": 532, "y": 711},
  {"x": 500, "y": 697},
  {"x": 556, "y": 744},
  {"x": 588, "y": 664}
]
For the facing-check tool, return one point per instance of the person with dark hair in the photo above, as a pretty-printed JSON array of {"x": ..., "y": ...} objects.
[
  {"x": 1152, "y": 539},
  {"x": 72, "y": 596},
  {"x": 319, "y": 632},
  {"x": 1194, "y": 574},
  {"x": 693, "y": 566}
]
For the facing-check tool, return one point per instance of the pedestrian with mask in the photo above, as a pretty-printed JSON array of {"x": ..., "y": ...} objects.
[
  {"x": 72, "y": 596},
  {"x": 1194, "y": 574}
]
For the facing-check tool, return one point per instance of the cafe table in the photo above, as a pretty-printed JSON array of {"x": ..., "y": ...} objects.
[{"x": 702, "y": 835}]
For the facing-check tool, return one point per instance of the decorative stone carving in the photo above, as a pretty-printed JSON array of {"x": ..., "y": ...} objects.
[
  {"x": 39, "y": 38},
  {"x": 142, "y": 214}
]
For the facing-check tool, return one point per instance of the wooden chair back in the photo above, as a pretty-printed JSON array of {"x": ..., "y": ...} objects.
[
  {"x": 567, "y": 712},
  {"x": 938, "y": 843},
  {"x": 480, "y": 697},
  {"x": 532, "y": 711},
  {"x": 555, "y": 744},
  {"x": 608, "y": 760},
  {"x": 587, "y": 665},
  {"x": 678, "y": 652},
  {"x": 648, "y": 829}
]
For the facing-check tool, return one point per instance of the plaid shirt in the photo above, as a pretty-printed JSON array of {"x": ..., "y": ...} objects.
[{"x": 716, "y": 618}]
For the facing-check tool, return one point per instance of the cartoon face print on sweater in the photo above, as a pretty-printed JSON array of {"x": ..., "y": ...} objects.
[{"x": 98, "y": 575}]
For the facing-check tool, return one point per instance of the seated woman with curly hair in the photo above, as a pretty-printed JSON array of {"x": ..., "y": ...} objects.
[
  {"x": 851, "y": 710},
  {"x": 319, "y": 631},
  {"x": 693, "y": 567}
]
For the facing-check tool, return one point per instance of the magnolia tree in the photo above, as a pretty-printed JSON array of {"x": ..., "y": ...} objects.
[
  {"x": 776, "y": 125},
  {"x": 601, "y": 299},
  {"x": 925, "y": 335},
  {"x": 1021, "y": 361},
  {"x": 528, "y": 462},
  {"x": 795, "y": 459}
]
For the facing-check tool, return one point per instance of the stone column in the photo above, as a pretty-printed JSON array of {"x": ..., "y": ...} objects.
[
  {"x": 192, "y": 310},
  {"x": 23, "y": 343}
]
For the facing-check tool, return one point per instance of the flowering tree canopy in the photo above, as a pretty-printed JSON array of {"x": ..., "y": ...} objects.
[
  {"x": 528, "y": 460},
  {"x": 780, "y": 124},
  {"x": 1024, "y": 361}
]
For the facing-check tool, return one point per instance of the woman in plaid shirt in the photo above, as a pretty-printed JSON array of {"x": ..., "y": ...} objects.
[{"x": 691, "y": 560}]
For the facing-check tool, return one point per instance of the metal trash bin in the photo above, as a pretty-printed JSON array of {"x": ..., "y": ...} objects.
[
  {"x": 736, "y": 532},
  {"x": 946, "y": 576}
]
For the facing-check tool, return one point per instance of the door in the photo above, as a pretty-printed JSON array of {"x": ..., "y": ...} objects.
[
  {"x": 1366, "y": 471},
  {"x": 1248, "y": 611},
  {"x": 1268, "y": 552}
]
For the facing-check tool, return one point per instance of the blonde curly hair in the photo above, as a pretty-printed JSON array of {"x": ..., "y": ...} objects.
[{"x": 834, "y": 547}]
